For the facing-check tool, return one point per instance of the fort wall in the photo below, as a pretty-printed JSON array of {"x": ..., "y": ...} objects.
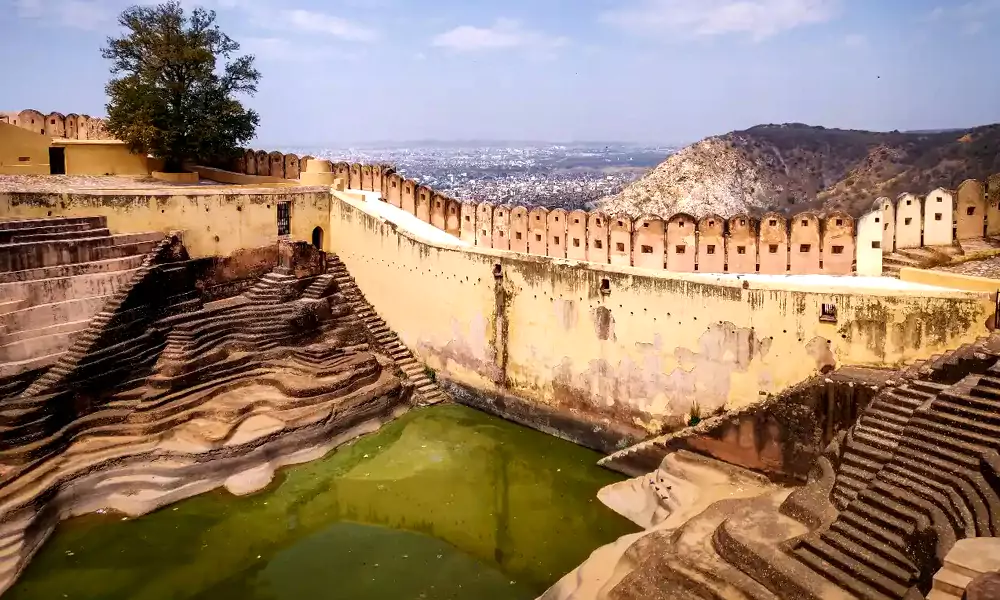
[
  {"x": 621, "y": 344},
  {"x": 214, "y": 222}
]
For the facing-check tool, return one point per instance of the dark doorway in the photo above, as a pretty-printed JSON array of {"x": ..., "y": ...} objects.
[
  {"x": 284, "y": 218},
  {"x": 318, "y": 238},
  {"x": 57, "y": 161}
]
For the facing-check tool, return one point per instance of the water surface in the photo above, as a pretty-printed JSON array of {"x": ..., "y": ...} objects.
[{"x": 445, "y": 502}]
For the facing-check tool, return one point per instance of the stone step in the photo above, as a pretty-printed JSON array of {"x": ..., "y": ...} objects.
[
  {"x": 950, "y": 582},
  {"x": 59, "y": 235}
]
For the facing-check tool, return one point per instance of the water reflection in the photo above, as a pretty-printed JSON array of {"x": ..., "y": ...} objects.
[{"x": 445, "y": 502}]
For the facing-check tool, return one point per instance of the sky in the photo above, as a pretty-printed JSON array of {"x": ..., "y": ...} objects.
[{"x": 340, "y": 72}]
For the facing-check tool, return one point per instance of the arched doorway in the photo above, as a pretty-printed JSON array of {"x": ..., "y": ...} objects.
[{"x": 318, "y": 238}]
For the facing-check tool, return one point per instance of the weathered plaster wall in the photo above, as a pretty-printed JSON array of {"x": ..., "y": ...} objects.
[
  {"x": 105, "y": 157},
  {"x": 938, "y": 218},
  {"x": 625, "y": 344},
  {"x": 23, "y": 152},
  {"x": 215, "y": 222}
]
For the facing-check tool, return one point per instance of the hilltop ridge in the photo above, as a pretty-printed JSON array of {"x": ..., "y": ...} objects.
[{"x": 793, "y": 166}]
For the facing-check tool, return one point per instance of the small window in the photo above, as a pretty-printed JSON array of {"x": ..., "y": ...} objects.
[
  {"x": 53, "y": 122},
  {"x": 840, "y": 222},
  {"x": 838, "y": 249},
  {"x": 501, "y": 233},
  {"x": 620, "y": 247},
  {"x": 773, "y": 248},
  {"x": 876, "y": 219},
  {"x": 467, "y": 218},
  {"x": 908, "y": 202},
  {"x": 805, "y": 247},
  {"x": 970, "y": 211},
  {"x": 438, "y": 204},
  {"x": 645, "y": 224},
  {"x": 452, "y": 210},
  {"x": 772, "y": 222},
  {"x": 538, "y": 237},
  {"x": 647, "y": 249},
  {"x": 538, "y": 217},
  {"x": 710, "y": 249},
  {"x": 680, "y": 249},
  {"x": 576, "y": 242},
  {"x": 680, "y": 223},
  {"x": 620, "y": 224},
  {"x": 939, "y": 198},
  {"x": 408, "y": 189},
  {"x": 577, "y": 221},
  {"x": 500, "y": 213},
  {"x": 937, "y": 216},
  {"x": 711, "y": 223},
  {"x": 393, "y": 184},
  {"x": 877, "y": 245},
  {"x": 517, "y": 235},
  {"x": 605, "y": 286},
  {"x": 743, "y": 221},
  {"x": 555, "y": 240},
  {"x": 741, "y": 249},
  {"x": 906, "y": 221},
  {"x": 828, "y": 313},
  {"x": 485, "y": 232},
  {"x": 557, "y": 219},
  {"x": 23, "y": 158},
  {"x": 597, "y": 222},
  {"x": 804, "y": 222},
  {"x": 598, "y": 244}
]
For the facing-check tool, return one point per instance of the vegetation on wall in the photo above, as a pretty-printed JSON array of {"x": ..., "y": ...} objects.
[{"x": 169, "y": 96}]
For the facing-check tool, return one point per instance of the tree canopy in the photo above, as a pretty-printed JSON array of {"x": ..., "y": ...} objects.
[{"x": 168, "y": 95}]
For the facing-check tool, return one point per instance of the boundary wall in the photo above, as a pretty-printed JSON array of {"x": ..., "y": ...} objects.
[
  {"x": 55, "y": 124},
  {"x": 216, "y": 221},
  {"x": 833, "y": 243},
  {"x": 610, "y": 344}
]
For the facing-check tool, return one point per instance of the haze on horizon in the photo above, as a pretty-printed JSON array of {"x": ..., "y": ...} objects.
[{"x": 651, "y": 71}]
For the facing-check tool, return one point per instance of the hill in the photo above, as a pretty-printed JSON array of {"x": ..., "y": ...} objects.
[{"x": 793, "y": 166}]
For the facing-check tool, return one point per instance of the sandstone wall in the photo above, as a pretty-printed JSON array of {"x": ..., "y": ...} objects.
[
  {"x": 214, "y": 222},
  {"x": 626, "y": 344},
  {"x": 54, "y": 124}
]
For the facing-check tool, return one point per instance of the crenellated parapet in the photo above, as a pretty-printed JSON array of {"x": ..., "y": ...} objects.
[
  {"x": 58, "y": 125},
  {"x": 830, "y": 242}
]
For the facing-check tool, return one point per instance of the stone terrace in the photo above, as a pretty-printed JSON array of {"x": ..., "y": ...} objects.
[
  {"x": 66, "y": 183},
  {"x": 55, "y": 275}
]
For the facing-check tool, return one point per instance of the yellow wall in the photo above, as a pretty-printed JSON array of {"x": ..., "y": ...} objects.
[
  {"x": 102, "y": 158},
  {"x": 17, "y": 143},
  {"x": 643, "y": 352},
  {"x": 223, "y": 176},
  {"x": 242, "y": 218},
  {"x": 950, "y": 280}
]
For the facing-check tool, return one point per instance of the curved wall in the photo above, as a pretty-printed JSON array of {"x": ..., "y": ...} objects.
[{"x": 640, "y": 351}]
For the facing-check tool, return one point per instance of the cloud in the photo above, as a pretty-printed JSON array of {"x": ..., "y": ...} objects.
[
  {"x": 855, "y": 40},
  {"x": 79, "y": 14},
  {"x": 505, "y": 33},
  {"x": 759, "y": 19},
  {"x": 970, "y": 17},
  {"x": 314, "y": 22},
  {"x": 280, "y": 49}
]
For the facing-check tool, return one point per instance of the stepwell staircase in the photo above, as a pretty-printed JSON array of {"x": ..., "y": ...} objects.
[
  {"x": 56, "y": 274},
  {"x": 384, "y": 338}
]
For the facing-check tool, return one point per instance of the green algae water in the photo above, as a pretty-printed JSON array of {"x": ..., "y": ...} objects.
[{"x": 443, "y": 503}]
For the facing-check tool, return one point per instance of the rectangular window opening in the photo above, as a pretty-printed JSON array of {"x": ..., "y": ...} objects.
[
  {"x": 828, "y": 313},
  {"x": 970, "y": 210},
  {"x": 805, "y": 247},
  {"x": 773, "y": 248},
  {"x": 576, "y": 242},
  {"x": 517, "y": 235},
  {"x": 937, "y": 216},
  {"x": 838, "y": 249},
  {"x": 710, "y": 249},
  {"x": 741, "y": 249},
  {"x": 876, "y": 245},
  {"x": 906, "y": 221},
  {"x": 538, "y": 237},
  {"x": 555, "y": 240},
  {"x": 647, "y": 249},
  {"x": 680, "y": 249},
  {"x": 598, "y": 244},
  {"x": 620, "y": 247}
]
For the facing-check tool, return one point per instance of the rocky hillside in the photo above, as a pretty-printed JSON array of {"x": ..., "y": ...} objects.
[{"x": 791, "y": 167}]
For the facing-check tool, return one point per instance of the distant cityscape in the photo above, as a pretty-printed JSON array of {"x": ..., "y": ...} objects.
[{"x": 550, "y": 175}]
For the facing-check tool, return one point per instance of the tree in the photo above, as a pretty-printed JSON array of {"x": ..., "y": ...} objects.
[{"x": 167, "y": 96}]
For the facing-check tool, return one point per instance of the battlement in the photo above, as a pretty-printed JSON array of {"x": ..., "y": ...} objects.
[
  {"x": 55, "y": 124},
  {"x": 810, "y": 242}
]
